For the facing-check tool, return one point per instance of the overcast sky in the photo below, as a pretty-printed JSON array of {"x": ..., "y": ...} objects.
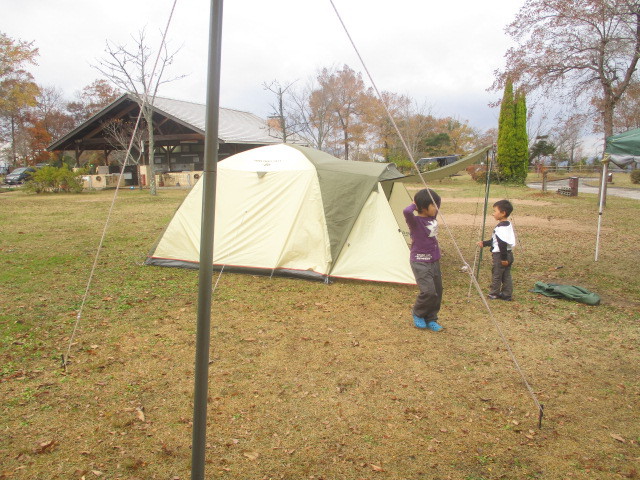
[{"x": 441, "y": 54}]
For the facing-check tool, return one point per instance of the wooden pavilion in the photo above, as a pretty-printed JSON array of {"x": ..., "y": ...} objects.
[{"x": 179, "y": 129}]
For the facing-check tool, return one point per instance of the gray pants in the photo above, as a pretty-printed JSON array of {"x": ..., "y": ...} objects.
[
  {"x": 501, "y": 282},
  {"x": 429, "y": 280}
]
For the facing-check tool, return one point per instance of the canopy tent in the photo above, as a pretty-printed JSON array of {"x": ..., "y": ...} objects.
[
  {"x": 449, "y": 169},
  {"x": 624, "y": 149},
  {"x": 296, "y": 211}
]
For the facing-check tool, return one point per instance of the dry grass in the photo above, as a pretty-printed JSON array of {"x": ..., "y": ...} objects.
[{"x": 316, "y": 381}]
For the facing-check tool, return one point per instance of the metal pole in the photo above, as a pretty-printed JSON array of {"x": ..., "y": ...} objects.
[
  {"x": 603, "y": 190},
  {"x": 490, "y": 154},
  {"x": 201, "y": 376}
]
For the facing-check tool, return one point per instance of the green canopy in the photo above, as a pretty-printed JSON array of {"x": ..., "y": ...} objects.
[
  {"x": 626, "y": 143},
  {"x": 624, "y": 148},
  {"x": 448, "y": 170}
]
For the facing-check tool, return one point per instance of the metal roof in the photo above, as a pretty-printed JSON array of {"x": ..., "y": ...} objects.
[{"x": 234, "y": 126}]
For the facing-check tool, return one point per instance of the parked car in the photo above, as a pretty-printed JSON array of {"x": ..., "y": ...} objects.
[{"x": 19, "y": 175}]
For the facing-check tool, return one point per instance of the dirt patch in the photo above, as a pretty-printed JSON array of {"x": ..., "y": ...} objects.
[
  {"x": 562, "y": 224},
  {"x": 532, "y": 203},
  {"x": 414, "y": 188}
]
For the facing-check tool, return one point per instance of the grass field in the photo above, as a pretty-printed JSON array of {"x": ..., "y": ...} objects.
[{"x": 315, "y": 381}]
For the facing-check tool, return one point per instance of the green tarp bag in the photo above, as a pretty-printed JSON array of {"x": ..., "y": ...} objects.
[{"x": 569, "y": 292}]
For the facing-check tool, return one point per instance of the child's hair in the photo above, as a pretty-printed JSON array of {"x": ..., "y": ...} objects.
[
  {"x": 424, "y": 198},
  {"x": 504, "y": 206}
]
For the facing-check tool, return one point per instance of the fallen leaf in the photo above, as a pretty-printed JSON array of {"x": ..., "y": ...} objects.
[
  {"x": 376, "y": 468},
  {"x": 45, "y": 446},
  {"x": 251, "y": 455},
  {"x": 140, "y": 413},
  {"x": 617, "y": 437}
]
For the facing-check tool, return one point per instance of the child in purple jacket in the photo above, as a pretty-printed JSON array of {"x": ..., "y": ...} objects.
[{"x": 425, "y": 258}]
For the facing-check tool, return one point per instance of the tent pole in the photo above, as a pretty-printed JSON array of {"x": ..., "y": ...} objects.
[
  {"x": 490, "y": 155},
  {"x": 603, "y": 185},
  {"x": 201, "y": 375}
]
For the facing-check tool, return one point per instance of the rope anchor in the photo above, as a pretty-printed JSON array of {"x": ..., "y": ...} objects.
[{"x": 540, "y": 415}]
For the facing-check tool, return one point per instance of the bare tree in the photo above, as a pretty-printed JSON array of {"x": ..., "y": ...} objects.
[
  {"x": 567, "y": 137},
  {"x": 583, "y": 52},
  {"x": 133, "y": 71},
  {"x": 127, "y": 140},
  {"x": 310, "y": 112},
  {"x": 50, "y": 111},
  {"x": 416, "y": 124},
  {"x": 280, "y": 109},
  {"x": 120, "y": 133}
]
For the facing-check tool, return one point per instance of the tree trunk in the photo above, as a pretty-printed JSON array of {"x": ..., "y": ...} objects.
[
  {"x": 607, "y": 119},
  {"x": 346, "y": 144},
  {"x": 150, "y": 154},
  {"x": 283, "y": 125},
  {"x": 13, "y": 142}
]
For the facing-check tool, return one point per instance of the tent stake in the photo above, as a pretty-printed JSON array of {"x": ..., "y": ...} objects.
[
  {"x": 201, "y": 380},
  {"x": 540, "y": 415}
]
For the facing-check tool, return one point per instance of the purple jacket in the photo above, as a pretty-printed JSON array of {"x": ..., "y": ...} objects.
[{"x": 424, "y": 241}]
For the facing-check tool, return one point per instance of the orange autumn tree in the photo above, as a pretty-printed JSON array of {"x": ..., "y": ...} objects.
[{"x": 18, "y": 91}]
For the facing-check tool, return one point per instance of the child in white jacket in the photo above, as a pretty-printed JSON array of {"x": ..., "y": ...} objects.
[{"x": 501, "y": 242}]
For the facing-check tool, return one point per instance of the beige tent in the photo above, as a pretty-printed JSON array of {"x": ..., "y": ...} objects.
[{"x": 295, "y": 211}]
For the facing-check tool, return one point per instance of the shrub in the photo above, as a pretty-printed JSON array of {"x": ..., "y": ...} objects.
[
  {"x": 635, "y": 175},
  {"x": 53, "y": 179},
  {"x": 479, "y": 174}
]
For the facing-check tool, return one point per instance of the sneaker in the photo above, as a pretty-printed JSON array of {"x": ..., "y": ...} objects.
[
  {"x": 434, "y": 326},
  {"x": 491, "y": 296},
  {"x": 419, "y": 322},
  {"x": 506, "y": 299}
]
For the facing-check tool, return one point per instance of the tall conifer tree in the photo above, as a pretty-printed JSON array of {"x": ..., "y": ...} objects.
[
  {"x": 521, "y": 139},
  {"x": 513, "y": 145},
  {"x": 506, "y": 131}
]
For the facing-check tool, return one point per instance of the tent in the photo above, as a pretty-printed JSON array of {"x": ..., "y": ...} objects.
[
  {"x": 624, "y": 149},
  {"x": 296, "y": 211}
]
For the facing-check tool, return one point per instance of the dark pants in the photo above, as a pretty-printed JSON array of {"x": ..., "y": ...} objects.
[
  {"x": 429, "y": 280},
  {"x": 501, "y": 282}
]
